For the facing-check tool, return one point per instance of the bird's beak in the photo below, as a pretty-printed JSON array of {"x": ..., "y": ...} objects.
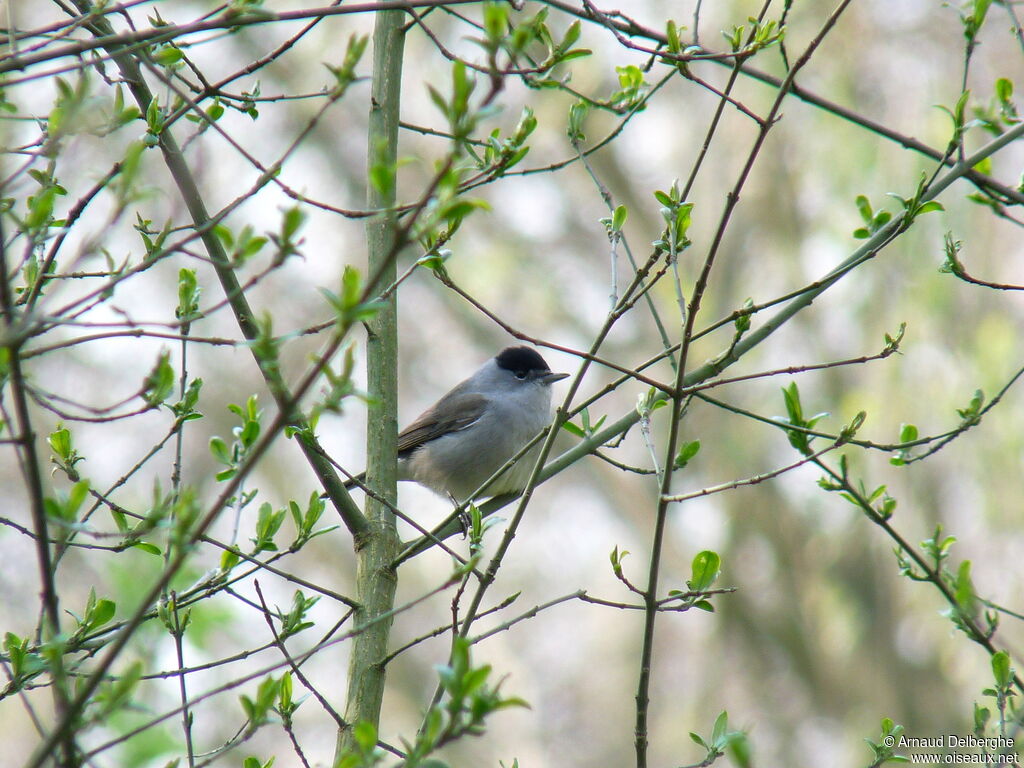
[{"x": 551, "y": 378}]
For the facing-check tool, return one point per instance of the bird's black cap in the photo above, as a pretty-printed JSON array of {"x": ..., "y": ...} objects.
[{"x": 521, "y": 359}]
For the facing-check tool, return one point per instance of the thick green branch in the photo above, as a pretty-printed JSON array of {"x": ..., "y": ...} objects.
[{"x": 376, "y": 579}]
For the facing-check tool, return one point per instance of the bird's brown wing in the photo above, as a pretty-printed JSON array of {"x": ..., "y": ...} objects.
[{"x": 453, "y": 414}]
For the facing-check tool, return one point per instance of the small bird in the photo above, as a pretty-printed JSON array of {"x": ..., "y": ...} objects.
[{"x": 467, "y": 435}]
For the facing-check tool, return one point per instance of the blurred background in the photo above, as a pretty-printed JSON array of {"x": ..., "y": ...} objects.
[{"x": 823, "y": 637}]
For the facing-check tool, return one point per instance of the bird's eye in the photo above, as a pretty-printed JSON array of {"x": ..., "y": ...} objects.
[{"x": 520, "y": 375}]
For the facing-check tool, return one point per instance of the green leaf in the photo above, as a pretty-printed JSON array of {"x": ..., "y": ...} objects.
[
  {"x": 667, "y": 201},
  {"x": 686, "y": 453},
  {"x": 705, "y": 570},
  {"x": 219, "y": 449},
  {"x": 188, "y": 296},
  {"x": 1004, "y": 89},
  {"x": 864, "y": 206},
  {"x": 619, "y": 218},
  {"x": 616, "y": 558},
  {"x": 1001, "y": 669},
  {"x": 720, "y": 729},
  {"x": 229, "y": 559},
  {"x": 672, "y": 36},
  {"x": 572, "y": 429},
  {"x": 102, "y": 613},
  {"x": 159, "y": 384},
  {"x": 572, "y": 34},
  {"x": 966, "y": 598},
  {"x": 166, "y": 55},
  {"x": 60, "y": 442},
  {"x": 495, "y": 20},
  {"x": 293, "y": 220},
  {"x": 577, "y": 114},
  {"x": 791, "y": 396}
]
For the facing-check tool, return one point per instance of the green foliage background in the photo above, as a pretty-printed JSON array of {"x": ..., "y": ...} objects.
[{"x": 823, "y": 636}]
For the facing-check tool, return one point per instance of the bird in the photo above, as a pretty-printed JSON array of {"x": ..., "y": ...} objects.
[{"x": 455, "y": 445}]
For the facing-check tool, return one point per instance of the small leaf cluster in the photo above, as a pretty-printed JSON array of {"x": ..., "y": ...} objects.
[
  {"x": 446, "y": 209},
  {"x": 39, "y": 214},
  {"x": 174, "y": 619},
  {"x": 883, "y": 751},
  {"x": 188, "y": 298},
  {"x": 345, "y": 73},
  {"x": 62, "y": 509},
  {"x": 915, "y": 205},
  {"x": 1001, "y": 112},
  {"x": 258, "y": 708},
  {"x": 23, "y": 659},
  {"x": 268, "y": 523},
  {"x": 286, "y": 240},
  {"x": 971, "y": 415},
  {"x": 209, "y": 115},
  {"x": 1003, "y": 692},
  {"x": 676, "y": 214},
  {"x": 632, "y": 91},
  {"x": 295, "y": 620},
  {"x": 704, "y": 572},
  {"x": 762, "y": 35},
  {"x": 873, "y": 221},
  {"x": 185, "y": 408},
  {"x": 155, "y": 119},
  {"x": 114, "y": 695},
  {"x": 965, "y": 596},
  {"x": 364, "y": 752},
  {"x": 168, "y": 55},
  {"x": 972, "y": 17},
  {"x": 243, "y": 246},
  {"x": 613, "y": 224},
  {"x": 348, "y": 304},
  {"x": 97, "y": 613},
  {"x": 966, "y": 605},
  {"x": 461, "y": 119},
  {"x": 578, "y": 112},
  {"x": 64, "y": 457},
  {"x": 160, "y": 510},
  {"x": 500, "y": 155},
  {"x": 152, "y": 240},
  {"x": 877, "y": 503},
  {"x": 686, "y": 453},
  {"x": 159, "y": 382},
  {"x": 245, "y": 434},
  {"x": 341, "y": 386},
  {"x": 71, "y": 113},
  {"x": 674, "y": 41},
  {"x": 305, "y": 521},
  {"x": 517, "y": 39},
  {"x": 478, "y": 526},
  {"x": 469, "y": 700},
  {"x": 798, "y": 438},
  {"x": 952, "y": 265},
  {"x": 586, "y": 428},
  {"x": 648, "y": 402},
  {"x": 908, "y": 435},
  {"x": 1003, "y": 674},
  {"x": 721, "y": 739}
]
